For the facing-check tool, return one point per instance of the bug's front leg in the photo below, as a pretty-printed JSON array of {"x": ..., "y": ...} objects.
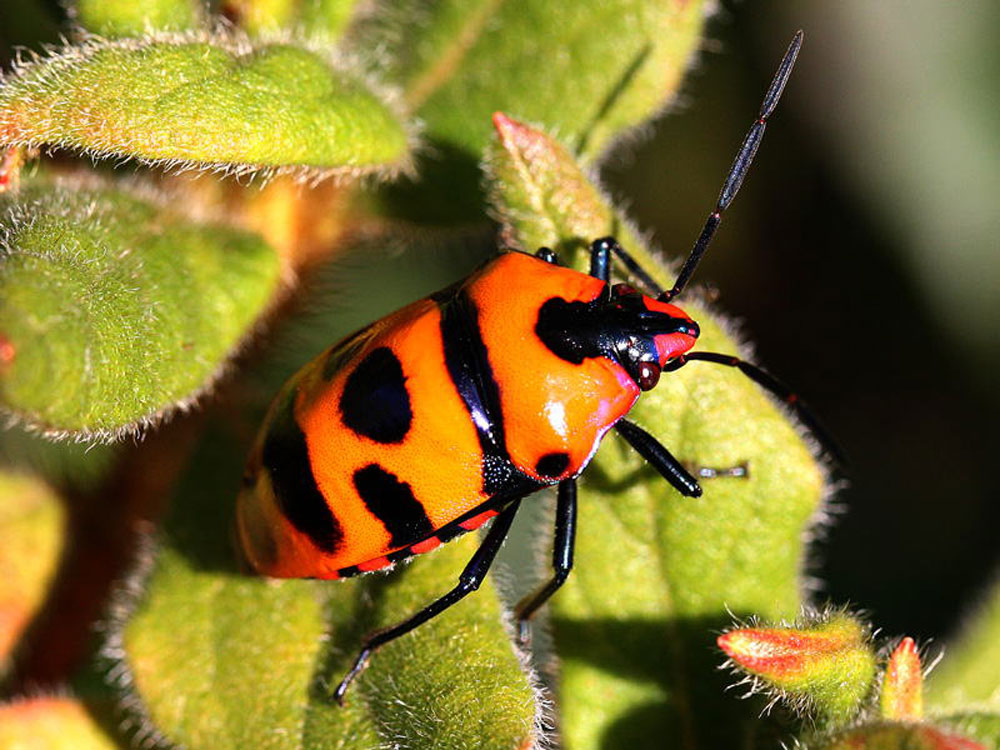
[
  {"x": 601, "y": 251},
  {"x": 470, "y": 580},
  {"x": 659, "y": 457}
]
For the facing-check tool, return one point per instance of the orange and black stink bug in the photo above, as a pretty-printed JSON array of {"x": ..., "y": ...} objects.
[{"x": 442, "y": 415}]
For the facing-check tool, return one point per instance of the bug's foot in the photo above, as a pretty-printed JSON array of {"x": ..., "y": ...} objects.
[
  {"x": 741, "y": 471},
  {"x": 524, "y": 633},
  {"x": 359, "y": 666}
]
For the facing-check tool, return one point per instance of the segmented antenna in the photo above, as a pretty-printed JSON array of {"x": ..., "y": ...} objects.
[{"x": 739, "y": 169}]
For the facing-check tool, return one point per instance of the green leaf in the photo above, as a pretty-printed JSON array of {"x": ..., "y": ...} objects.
[
  {"x": 327, "y": 19},
  {"x": 588, "y": 70},
  {"x": 657, "y": 575},
  {"x": 115, "y": 309},
  {"x": 50, "y": 723},
  {"x": 540, "y": 195},
  {"x": 318, "y": 19},
  {"x": 193, "y": 103},
  {"x": 970, "y": 674},
  {"x": 221, "y": 660},
  {"x": 125, "y": 18},
  {"x": 31, "y": 540}
]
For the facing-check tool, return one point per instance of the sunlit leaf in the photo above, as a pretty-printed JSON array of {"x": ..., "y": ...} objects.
[{"x": 194, "y": 102}]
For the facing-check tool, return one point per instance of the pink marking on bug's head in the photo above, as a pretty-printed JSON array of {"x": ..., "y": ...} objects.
[{"x": 670, "y": 345}]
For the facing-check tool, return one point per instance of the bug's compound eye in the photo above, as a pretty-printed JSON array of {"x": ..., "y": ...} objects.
[
  {"x": 621, "y": 290},
  {"x": 649, "y": 375}
]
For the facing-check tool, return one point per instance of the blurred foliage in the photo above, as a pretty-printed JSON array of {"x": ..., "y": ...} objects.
[{"x": 32, "y": 527}]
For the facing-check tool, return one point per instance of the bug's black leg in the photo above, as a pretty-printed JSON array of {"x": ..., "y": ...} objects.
[
  {"x": 739, "y": 168},
  {"x": 470, "y": 580},
  {"x": 562, "y": 559},
  {"x": 600, "y": 264},
  {"x": 769, "y": 383},
  {"x": 650, "y": 449},
  {"x": 548, "y": 255},
  {"x": 600, "y": 258}
]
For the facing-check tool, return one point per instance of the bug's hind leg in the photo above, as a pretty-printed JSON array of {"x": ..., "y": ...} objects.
[
  {"x": 562, "y": 560},
  {"x": 661, "y": 459},
  {"x": 470, "y": 580}
]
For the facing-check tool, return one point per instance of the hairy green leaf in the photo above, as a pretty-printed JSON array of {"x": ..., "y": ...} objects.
[
  {"x": 657, "y": 575},
  {"x": 540, "y": 195},
  {"x": 127, "y": 18},
  {"x": 199, "y": 102},
  {"x": 114, "y": 310},
  {"x": 221, "y": 660},
  {"x": 824, "y": 666}
]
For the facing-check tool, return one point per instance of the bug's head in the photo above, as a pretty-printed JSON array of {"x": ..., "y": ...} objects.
[
  {"x": 651, "y": 333},
  {"x": 638, "y": 332}
]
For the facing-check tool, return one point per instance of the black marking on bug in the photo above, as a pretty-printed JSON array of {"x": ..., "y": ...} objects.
[
  {"x": 400, "y": 554},
  {"x": 570, "y": 330},
  {"x": 393, "y": 503},
  {"x": 468, "y": 365},
  {"x": 620, "y": 328},
  {"x": 285, "y": 457},
  {"x": 375, "y": 402},
  {"x": 451, "y": 531},
  {"x": 552, "y": 464},
  {"x": 447, "y": 532}
]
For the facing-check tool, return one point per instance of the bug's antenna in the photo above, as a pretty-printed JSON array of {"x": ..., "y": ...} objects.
[{"x": 740, "y": 167}]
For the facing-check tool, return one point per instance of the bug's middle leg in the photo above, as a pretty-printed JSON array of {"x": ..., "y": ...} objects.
[
  {"x": 471, "y": 579},
  {"x": 562, "y": 559}
]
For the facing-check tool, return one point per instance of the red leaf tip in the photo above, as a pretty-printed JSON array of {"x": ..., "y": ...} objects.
[{"x": 902, "y": 686}]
